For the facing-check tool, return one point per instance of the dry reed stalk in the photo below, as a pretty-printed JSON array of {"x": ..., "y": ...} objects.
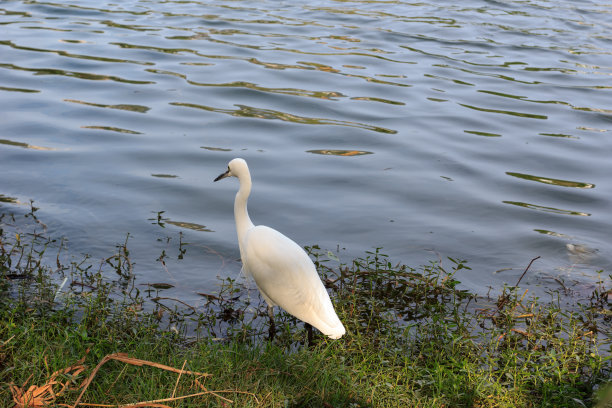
[
  {"x": 178, "y": 379},
  {"x": 153, "y": 403},
  {"x": 44, "y": 395}
]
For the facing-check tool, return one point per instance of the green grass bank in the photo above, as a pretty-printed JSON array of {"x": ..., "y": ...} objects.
[{"x": 80, "y": 332}]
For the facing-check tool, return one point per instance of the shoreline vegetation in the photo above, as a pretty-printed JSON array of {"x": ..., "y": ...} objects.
[{"x": 79, "y": 332}]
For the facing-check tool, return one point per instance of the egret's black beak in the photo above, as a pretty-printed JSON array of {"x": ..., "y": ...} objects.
[{"x": 224, "y": 175}]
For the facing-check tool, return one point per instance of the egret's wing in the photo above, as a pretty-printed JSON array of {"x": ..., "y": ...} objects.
[
  {"x": 281, "y": 268},
  {"x": 285, "y": 274}
]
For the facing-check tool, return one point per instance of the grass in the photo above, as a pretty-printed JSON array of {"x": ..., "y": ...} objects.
[{"x": 414, "y": 338}]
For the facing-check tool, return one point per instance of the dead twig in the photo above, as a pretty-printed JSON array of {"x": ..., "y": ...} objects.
[
  {"x": 197, "y": 394},
  {"x": 526, "y": 269},
  {"x": 504, "y": 298},
  {"x": 155, "y": 299},
  {"x": 124, "y": 358},
  {"x": 41, "y": 396},
  {"x": 178, "y": 379},
  {"x": 521, "y": 332}
]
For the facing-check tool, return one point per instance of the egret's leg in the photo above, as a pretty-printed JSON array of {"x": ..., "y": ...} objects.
[
  {"x": 272, "y": 329},
  {"x": 308, "y": 327}
]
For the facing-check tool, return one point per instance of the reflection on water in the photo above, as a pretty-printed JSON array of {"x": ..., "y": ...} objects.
[
  {"x": 505, "y": 112},
  {"x": 161, "y": 220},
  {"x": 216, "y": 149},
  {"x": 23, "y": 145},
  {"x": 581, "y": 254},
  {"x": 351, "y": 115},
  {"x": 552, "y": 233},
  {"x": 132, "y": 108},
  {"x": 252, "y": 112},
  {"x": 365, "y": 98},
  {"x": 112, "y": 129},
  {"x": 478, "y": 133},
  {"x": 339, "y": 152},
  {"x": 10, "y": 200},
  {"x": 547, "y": 209},
  {"x": 559, "y": 135},
  {"x": 189, "y": 225},
  {"x": 71, "y": 55},
  {"x": 79, "y": 75},
  {"x": 9, "y": 89},
  {"x": 556, "y": 182}
]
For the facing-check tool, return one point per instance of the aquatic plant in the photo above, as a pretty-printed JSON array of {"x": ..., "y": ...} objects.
[{"x": 415, "y": 337}]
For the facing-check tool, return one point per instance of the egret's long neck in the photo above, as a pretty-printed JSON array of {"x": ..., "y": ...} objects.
[{"x": 243, "y": 222}]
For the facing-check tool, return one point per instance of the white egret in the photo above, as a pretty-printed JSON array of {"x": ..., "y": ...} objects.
[{"x": 282, "y": 270}]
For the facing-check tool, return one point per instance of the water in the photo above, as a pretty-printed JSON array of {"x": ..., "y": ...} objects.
[{"x": 479, "y": 130}]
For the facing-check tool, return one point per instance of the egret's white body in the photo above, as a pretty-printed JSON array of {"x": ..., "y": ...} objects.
[{"x": 282, "y": 270}]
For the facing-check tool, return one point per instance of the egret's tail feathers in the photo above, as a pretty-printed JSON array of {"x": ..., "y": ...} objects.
[
  {"x": 326, "y": 319},
  {"x": 336, "y": 332}
]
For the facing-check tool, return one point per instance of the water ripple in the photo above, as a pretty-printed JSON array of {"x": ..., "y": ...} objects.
[
  {"x": 133, "y": 94},
  {"x": 505, "y": 112},
  {"x": 112, "y": 129},
  {"x": 556, "y": 182},
  {"x": 329, "y": 95},
  {"x": 131, "y": 108},
  {"x": 547, "y": 209},
  {"x": 71, "y": 55},
  {"x": 9, "y": 89},
  {"x": 259, "y": 113},
  {"x": 75, "y": 74},
  {"x": 23, "y": 145}
]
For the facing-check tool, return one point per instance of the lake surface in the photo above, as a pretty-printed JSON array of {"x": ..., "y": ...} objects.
[{"x": 479, "y": 130}]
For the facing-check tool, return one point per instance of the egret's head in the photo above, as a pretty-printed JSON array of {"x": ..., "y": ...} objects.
[{"x": 235, "y": 168}]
